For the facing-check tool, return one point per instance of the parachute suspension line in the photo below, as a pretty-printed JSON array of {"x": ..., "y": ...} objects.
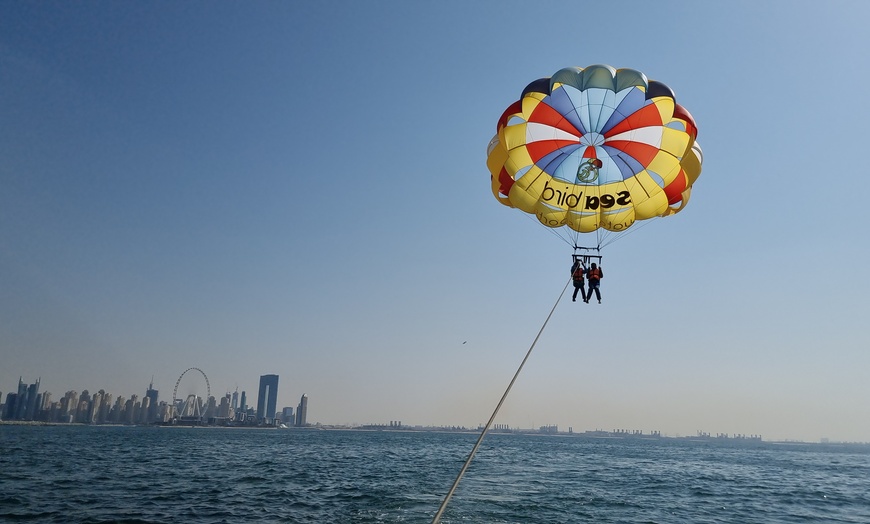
[
  {"x": 634, "y": 227},
  {"x": 606, "y": 237},
  {"x": 462, "y": 471},
  {"x": 553, "y": 231}
]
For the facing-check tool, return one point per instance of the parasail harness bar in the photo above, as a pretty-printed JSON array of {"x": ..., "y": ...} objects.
[{"x": 584, "y": 256}]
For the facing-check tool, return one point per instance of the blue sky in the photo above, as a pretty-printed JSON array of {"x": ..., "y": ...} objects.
[{"x": 301, "y": 189}]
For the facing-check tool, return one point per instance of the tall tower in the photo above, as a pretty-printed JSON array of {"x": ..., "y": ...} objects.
[
  {"x": 94, "y": 410},
  {"x": 267, "y": 399},
  {"x": 302, "y": 411},
  {"x": 151, "y": 395},
  {"x": 32, "y": 410},
  {"x": 21, "y": 400}
]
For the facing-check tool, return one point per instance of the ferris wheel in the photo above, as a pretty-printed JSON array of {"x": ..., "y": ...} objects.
[{"x": 193, "y": 406}]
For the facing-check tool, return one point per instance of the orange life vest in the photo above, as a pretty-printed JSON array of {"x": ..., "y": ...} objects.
[
  {"x": 594, "y": 274},
  {"x": 578, "y": 274}
]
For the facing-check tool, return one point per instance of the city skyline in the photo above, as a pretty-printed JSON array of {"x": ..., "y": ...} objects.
[
  {"x": 28, "y": 403},
  {"x": 298, "y": 418}
]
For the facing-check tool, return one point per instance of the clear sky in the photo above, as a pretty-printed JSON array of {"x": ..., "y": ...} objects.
[{"x": 300, "y": 188}]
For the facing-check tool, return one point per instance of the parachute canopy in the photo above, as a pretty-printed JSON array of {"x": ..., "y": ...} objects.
[{"x": 595, "y": 148}]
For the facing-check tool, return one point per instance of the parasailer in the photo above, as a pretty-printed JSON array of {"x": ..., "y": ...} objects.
[
  {"x": 578, "y": 270},
  {"x": 594, "y": 150},
  {"x": 594, "y": 276}
]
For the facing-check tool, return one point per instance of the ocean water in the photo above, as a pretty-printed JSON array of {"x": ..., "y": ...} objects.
[{"x": 81, "y": 474}]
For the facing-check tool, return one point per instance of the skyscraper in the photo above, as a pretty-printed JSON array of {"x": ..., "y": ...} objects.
[
  {"x": 302, "y": 411},
  {"x": 26, "y": 402},
  {"x": 10, "y": 407},
  {"x": 21, "y": 400},
  {"x": 267, "y": 399},
  {"x": 33, "y": 400},
  {"x": 287, "y": 416},
  {"x": 151, "y": 395},
  {"x": 68, "y": 405}
]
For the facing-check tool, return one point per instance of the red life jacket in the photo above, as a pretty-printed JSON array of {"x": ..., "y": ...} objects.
[
  {"x": 594, "y": 274},
  {"x": 578, "y": 274}
]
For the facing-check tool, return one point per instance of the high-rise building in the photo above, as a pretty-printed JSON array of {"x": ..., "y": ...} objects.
[
  {"x": 224, "y": 410},
  {"x": 105, "y": 406},
  {"x": 84, "y": 407},
  {"x": 130, "y": 409},
  {"x": 146, "y": 409},
  {"x": 235, "y": 402},
  {"x": 45, "y": 403},
  {"x": 94, "y": 410},
  {"x": 33, "y": 400},
  {"x": 21, "y": 400},
  {"x": 11, "y": 403},
  {"x": 267, "y": 399},
  {"x": 118, "y": 410},
  {"x": 27, "y": 401},
  {"x": 68, "y": 405},
  {"x": 210, "y": 410},
  {"x": 243, "y": 403},
  {"x": 302, "y": 411},
  {"x": 151, "y": 395}
]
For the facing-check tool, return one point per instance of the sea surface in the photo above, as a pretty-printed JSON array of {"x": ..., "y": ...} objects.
[{"x": 82, "y": 474}]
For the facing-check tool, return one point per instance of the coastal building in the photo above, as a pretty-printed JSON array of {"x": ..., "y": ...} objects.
[
  {"x": 145, "y": 411},
  {"x": 151, "y": 395},
  {"x": 26, "y": 401},
  {"x": 8, "y": 412},
  {"x": 20, "y": 401},
  {"x": 105, "y": 408},
  {"x": 32, "y": 401},
  {"x": 94, "y": 407},
  {"x": 287, "y": 416},
  {"x": 68, "y": 405},
  {"x": 116, "y": 416},
  {"x": 302, "y": 411},
  {"x": 267, "y": 398},
  {"x": 131, "y": 409},
  {"x": 225, "y": 410}
]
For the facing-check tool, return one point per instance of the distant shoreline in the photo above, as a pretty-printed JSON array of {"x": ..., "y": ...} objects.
[
  {"x": 527, "y": 433},
  {"x": 204, "y": 426}
]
